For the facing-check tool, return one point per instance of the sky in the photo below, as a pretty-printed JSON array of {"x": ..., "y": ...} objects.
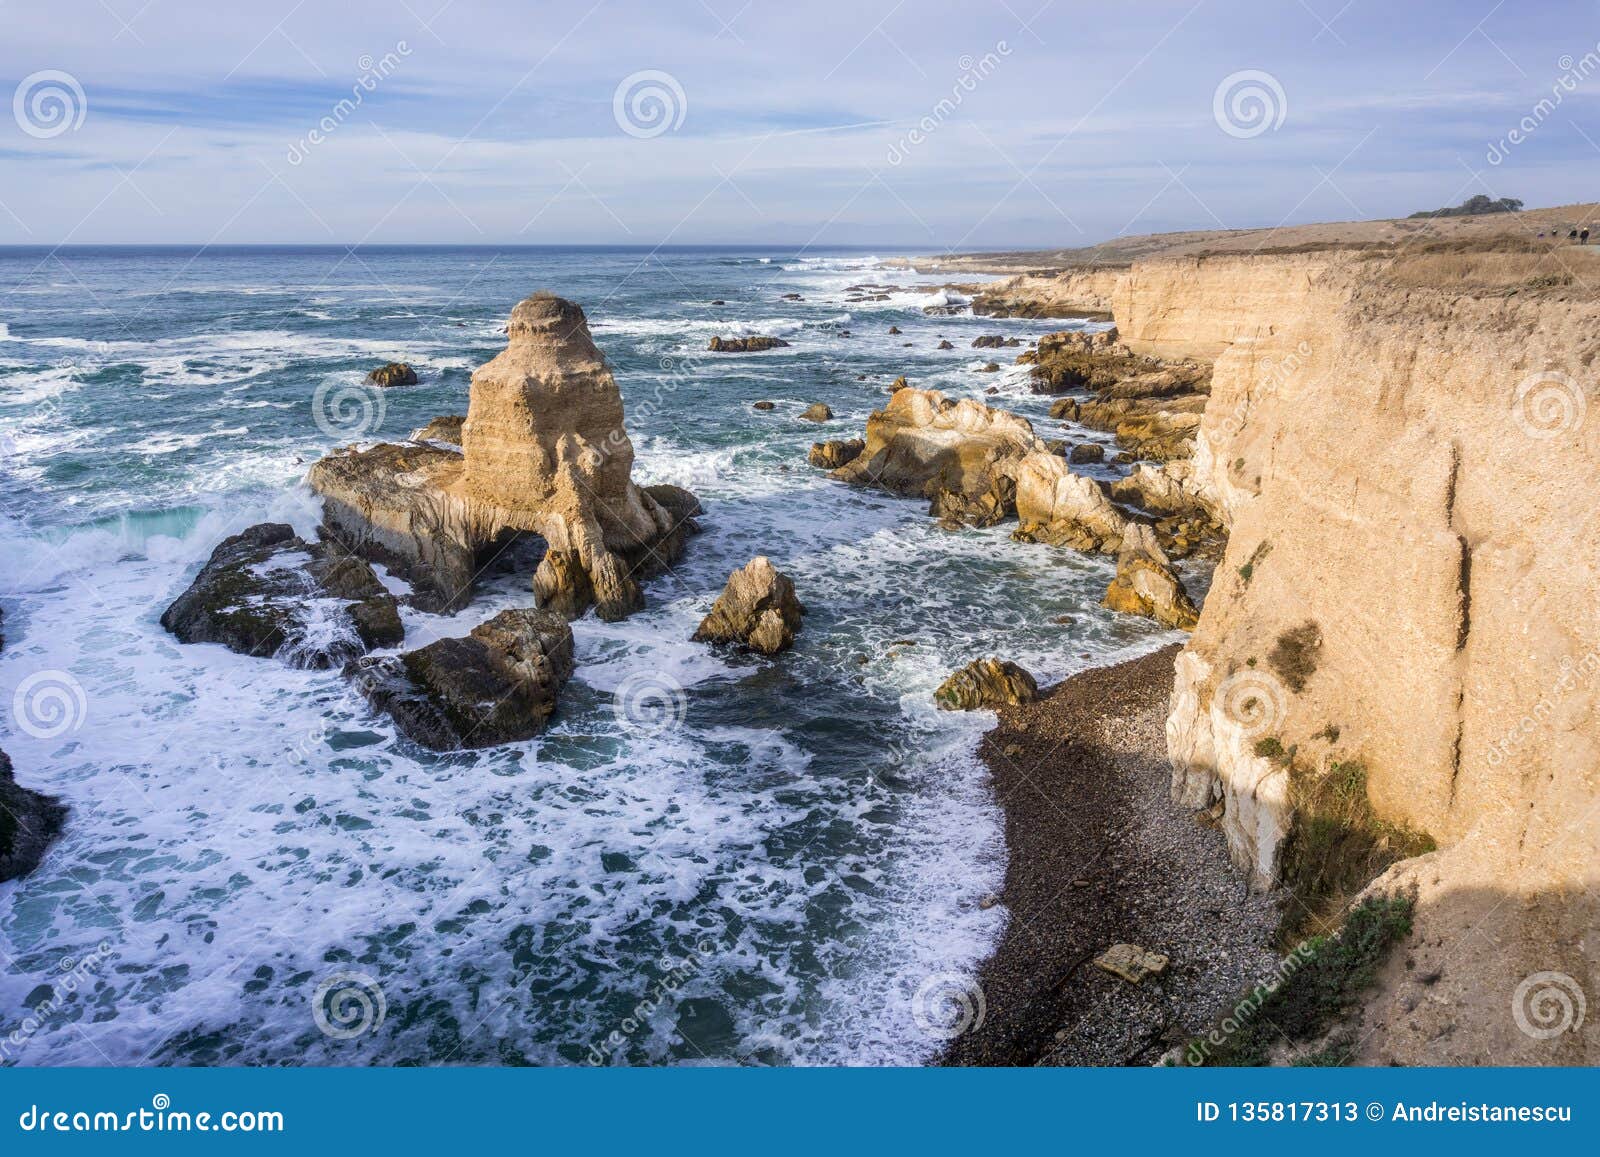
[{"x": 914, "y": 123}]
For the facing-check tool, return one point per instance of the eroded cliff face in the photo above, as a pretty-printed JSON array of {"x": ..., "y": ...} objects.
[{"x": 1408, "y": 597}]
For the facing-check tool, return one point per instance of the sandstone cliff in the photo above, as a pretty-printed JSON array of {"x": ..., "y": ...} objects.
[{"x": 1405, "y": 609}]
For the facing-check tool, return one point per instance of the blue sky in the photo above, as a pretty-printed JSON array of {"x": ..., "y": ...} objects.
[{"x": 971, "y": 124}]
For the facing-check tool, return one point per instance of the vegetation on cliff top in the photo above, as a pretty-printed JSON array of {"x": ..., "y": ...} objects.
[{"x": 1474, "y": 206}]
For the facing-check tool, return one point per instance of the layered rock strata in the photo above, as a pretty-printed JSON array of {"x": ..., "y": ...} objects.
[{"x": 543, "y": 453}]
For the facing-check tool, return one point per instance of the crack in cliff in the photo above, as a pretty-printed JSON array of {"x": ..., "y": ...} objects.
[{"x": 1464, "y": 614}]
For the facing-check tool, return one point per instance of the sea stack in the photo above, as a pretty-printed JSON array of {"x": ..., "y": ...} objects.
[{"x": 543, "y": 452}]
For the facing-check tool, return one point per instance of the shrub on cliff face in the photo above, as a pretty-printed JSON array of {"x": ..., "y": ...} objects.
[
  {"x": 1316, "y": 987},
  {"x": 1293, "y": 657},
  {"x": 1336, "y": 844}
]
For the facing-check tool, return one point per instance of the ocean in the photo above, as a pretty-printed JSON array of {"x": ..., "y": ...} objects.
[{"x": 707, "y": 859}]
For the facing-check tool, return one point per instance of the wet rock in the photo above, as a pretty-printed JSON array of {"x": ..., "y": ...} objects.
[
  {"x": 834, "y": 454},
  {"x": 994, "y": 341},
  {"x": 986, "y": 683},
  {"x": 744, "y": 345},
  {"x": 445, "y": 429},
  {"x": 1145, "y": 585},
  {"x": 393, "y": 374},
  {"x": 757, "y": 609},
  {"x": 29, "y": 823},
  {"x": 764, "y": 405},
  {"x": 1087, "y": 452},
  {"x": 954, "y": 509},
  {"x": 817, "y": 412},
  {"x": 500, "y": 684},
  {"x": 990, "y": 368},
  {"x": 893, "y": 330},
  {"x": 946, "y": 345},
  {"x": 268, "y": 593}
]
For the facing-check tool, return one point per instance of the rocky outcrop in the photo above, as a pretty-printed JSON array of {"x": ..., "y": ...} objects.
[
  {"x": 544, "y": 453},
  {"x": 266, "y": 592},
  {"x": 1146, "y": 586},
  {"x": 757, "y": 609},
  {"x": 29, "y": 823},
  {"x": 445, "y": 429},
  {"x": 986, "y": 683},
  {"x": 1059, "y": 507},
  {"x": 1151, "y": 404},
  {"x": 393, "y": 374},
  {"x": 498, "y": 685},
  {"x": 1083, "y": 293},
  {"x": 744, "y": 345},
  {"x": 922, "y": 443},
  {"x": 993, "y": 341},
  {"x": 834, "y": 454}
]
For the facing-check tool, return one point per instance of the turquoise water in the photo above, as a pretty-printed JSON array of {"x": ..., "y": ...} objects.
[{"x": 707, "y": 859}]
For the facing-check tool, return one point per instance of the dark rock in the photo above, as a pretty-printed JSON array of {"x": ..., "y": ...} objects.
[
  {"x": 500, "y": 684},
  {"x": 763, "y": 405},
  {"x": 744, "y": 345},
  {"x": 1086, "y": 452},
  {"x": 266, "y": 592},
  {"x": 393, "y": 374},
  {"x": 29, "y": 823},
  {"x": 986, "y": 683},
  {"x": 893, "y": 329},
  {"x": 946, "y": 345},
  {"x": 832, "y": 455}
]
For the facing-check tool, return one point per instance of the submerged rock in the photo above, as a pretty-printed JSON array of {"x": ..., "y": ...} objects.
[
  {"x": 500, "y": 684},
  {"x": 393, "y": 374},
  {"x": 29, "y": 823},
  {"x": 266, "y": 592},
  {"x": 985, "y": 683},
  {"x": 744, "y": 345},
  {"x": 834, "y": 454},
  {"x": 757, "y": 609}
]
